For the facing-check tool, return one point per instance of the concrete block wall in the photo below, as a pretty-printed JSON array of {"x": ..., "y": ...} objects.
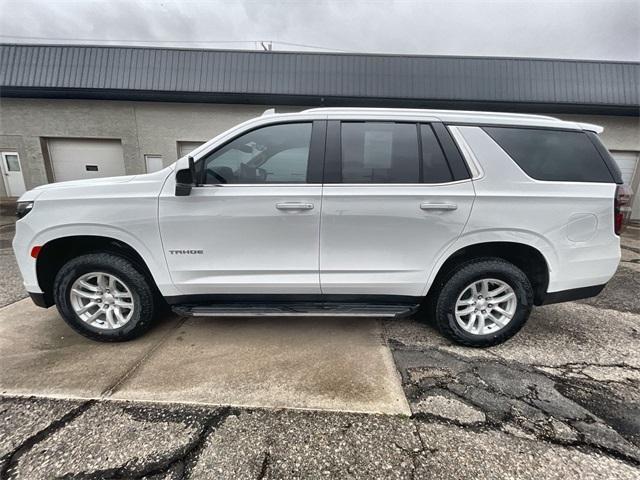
[
  {"x": 157, "y": 127},
  {"x": 142, "y": 127}
]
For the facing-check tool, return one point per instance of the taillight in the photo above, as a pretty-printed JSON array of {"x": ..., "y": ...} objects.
[{"x": 621, "y": 205}]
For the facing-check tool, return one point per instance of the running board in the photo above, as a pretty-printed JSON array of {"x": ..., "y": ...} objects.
[{"x": 296, "y": 310}]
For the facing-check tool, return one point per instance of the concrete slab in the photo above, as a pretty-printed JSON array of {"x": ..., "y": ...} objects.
[
  {"x": 330, "y": 364},
  {"x": 293, "y": 363},
  {"x": 40, "y": 355}
]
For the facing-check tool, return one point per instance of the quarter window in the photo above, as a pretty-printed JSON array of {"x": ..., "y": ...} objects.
[
  {"x": 273, "y": 154},
  {"x": 557, "y": 155},
  {"x": 376, "y": 152}
]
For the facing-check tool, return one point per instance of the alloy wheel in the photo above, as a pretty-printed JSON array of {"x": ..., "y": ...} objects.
[
  {"x": 485, "y": 306},
  {"x": 102, "y": 300}
]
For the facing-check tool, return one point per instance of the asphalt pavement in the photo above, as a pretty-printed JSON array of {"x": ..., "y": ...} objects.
[{"x": 11, "y": 288}]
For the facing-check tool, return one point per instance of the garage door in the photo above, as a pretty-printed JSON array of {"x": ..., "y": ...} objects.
[
  {"x": 627, "y": 163},
  {"x": 77, "y": 159},
  {"x": 184, "y": 148}
]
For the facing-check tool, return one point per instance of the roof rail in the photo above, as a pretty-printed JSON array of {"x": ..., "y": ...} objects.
[
  {"x": 458, "y": 117},
  {"x": 427, "y": 111}
]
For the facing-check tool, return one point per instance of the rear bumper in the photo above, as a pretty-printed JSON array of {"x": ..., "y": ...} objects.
[
  {"x": 40, "y": 300},
  {"x": 572, "y": 294}
]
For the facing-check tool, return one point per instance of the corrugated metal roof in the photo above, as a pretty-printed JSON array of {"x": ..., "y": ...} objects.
[{"x": 42, "y": 68}]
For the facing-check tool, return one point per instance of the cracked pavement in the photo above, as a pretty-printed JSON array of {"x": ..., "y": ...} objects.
[{"x": 560, "y": 399}]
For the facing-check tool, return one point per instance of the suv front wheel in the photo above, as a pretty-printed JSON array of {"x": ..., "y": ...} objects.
[
  {"x": 104, "y": 297},
  {"x": 483, "y": 303}
]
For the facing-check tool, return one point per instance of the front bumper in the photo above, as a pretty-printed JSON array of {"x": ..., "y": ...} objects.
[{"x": 23, "y": 242}]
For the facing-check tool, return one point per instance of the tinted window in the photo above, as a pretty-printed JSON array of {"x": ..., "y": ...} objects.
[
  {"x": 375, "y": 152},
  {"x": 613, "y": 167},
  {"x": 434, "y": 166},
  {"x": 273, "y": 154},
  {"x": 552, "y": 154},
  {"x": 286, "y": 167}
]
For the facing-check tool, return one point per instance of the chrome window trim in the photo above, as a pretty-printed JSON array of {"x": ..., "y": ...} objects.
[
  {"x": 454, "y": 182},
  {"x": 207, "y": 185},
  {"x": 376, "y": 185}
]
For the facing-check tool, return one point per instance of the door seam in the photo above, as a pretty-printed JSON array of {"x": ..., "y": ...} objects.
[{"x": 320, "y": 236}]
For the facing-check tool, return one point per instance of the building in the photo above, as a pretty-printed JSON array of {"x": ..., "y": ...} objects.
[{"x": 70, "y": 112}]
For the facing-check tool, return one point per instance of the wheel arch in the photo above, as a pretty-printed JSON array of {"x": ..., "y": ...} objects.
[
  {"x": 526, "y": 257},
  {"x": 56, "y": 252}
]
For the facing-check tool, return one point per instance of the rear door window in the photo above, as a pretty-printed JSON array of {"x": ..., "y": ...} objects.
[
  {"x": 380, "y": 152},
  {"x": 556, "y": 155}
]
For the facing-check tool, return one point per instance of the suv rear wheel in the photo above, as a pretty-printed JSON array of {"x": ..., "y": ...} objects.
[
  {"x": 483, "y": 303},
  {"x": 104, "y": 297}
]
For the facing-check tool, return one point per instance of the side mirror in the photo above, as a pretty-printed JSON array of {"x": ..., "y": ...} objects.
[{"x": 186, "y": 179}]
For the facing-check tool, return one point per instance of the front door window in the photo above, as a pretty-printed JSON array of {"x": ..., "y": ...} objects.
[{"x": 273, "y": 154}]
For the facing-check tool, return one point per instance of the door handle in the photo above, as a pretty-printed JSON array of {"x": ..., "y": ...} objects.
[
  {"x": 438, "y": 206},
  {"x": 294, "y": 206}
]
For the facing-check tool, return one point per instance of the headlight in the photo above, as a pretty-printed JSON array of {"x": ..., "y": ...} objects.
[{"x": 22, "y": 208}]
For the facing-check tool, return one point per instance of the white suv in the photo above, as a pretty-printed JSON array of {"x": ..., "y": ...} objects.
[{"x": 352, "y": 212}]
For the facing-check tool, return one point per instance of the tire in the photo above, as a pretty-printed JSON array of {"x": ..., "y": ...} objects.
[
  {"x": 457, "y": 289},
  {"x": 128, "y": 279}
]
